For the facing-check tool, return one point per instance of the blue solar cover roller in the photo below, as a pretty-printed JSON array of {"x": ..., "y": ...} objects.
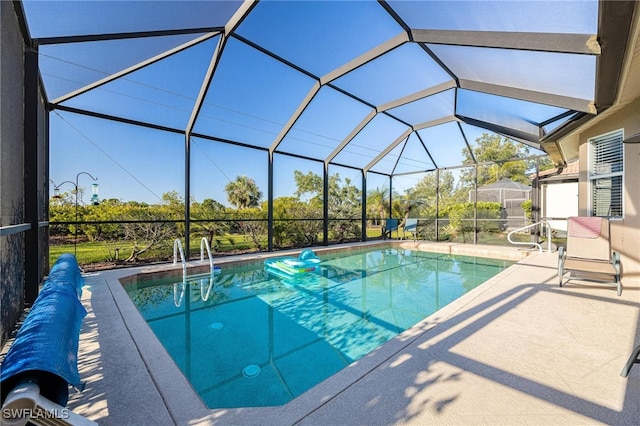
[{"x": 46, "y": 347}]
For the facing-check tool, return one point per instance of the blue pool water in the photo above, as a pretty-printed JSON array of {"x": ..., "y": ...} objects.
[{"x": 247, "y": 338}]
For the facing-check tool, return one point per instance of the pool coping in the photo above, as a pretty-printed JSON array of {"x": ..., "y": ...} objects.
[{"x": 183, "y": 403}]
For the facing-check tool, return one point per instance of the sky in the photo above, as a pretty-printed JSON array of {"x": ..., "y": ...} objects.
[{"x": 252, "y": 95}]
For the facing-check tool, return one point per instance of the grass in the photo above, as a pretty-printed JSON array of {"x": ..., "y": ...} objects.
[
  {"x": 97, "y": 252},
  {"x": 86, "y": 253}
]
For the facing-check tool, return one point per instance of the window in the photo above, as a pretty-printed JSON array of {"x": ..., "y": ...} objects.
[{"x": 605, "y": 174}]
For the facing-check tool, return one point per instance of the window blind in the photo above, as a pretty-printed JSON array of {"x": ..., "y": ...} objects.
[{"x": 605, "y": 174}]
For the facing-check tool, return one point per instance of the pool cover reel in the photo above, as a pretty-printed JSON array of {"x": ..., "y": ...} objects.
[{"x": 45, "y": 350}]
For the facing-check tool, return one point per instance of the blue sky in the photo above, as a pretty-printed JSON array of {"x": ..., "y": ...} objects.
[{"x": 252, "y": 95}]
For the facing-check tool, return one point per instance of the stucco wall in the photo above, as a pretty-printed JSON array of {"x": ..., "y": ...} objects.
[
  {"x": 11, "y": 169},
  {"x": 625, "y": 233}
]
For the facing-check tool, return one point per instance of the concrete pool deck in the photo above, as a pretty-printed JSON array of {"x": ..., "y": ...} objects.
[{"x": 516, "y": 350}]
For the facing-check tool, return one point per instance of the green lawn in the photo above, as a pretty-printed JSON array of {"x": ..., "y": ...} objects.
[
  {"x": 98, "y": 252},
  {"x": 95, "y": 252}
]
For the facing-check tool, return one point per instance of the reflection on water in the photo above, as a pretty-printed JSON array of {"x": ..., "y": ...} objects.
[{"x": 245, "y": 338}]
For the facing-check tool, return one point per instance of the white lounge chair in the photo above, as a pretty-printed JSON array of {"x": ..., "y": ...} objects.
[{"x": 588, "y": 255}]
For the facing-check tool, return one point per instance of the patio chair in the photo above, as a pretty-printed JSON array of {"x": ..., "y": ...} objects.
[
  {"x": 390, "y": 225},
  {"x": 410, "y": 225},
  {"x": 633, "y": 359},
  {"x": 588, "y": 255}
]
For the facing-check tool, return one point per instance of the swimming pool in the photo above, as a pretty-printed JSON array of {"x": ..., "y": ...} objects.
[{"x": 247, "y": 338}]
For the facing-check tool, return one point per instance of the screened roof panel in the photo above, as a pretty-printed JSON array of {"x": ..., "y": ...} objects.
[
  {"x": 426, "y": 109},
  {"x": 513, "y": 113},
  {"x": 162, "y": 95},
  {"x": 248, "y": 106},
  {"x": 504, "y": 15},
  {"x": 473, "y": 133},
  {"x": 71, "y": 66},
  {"x": 214, "y": 164},
  {"x": 401, "y": 72},
  {"x": 554, "y": 124},
  {"x": 307, "y": 77},
  {"x": 562, "y": 74},
  {"x": 371, "y": 141},
  {"x": 388, "y": 164},
  {"x": 324, "y": 124},
  {"x": 318, "y": 36},
  {"x": 414, "y": 157},
  {"x": 104, "y": 148},
  {"x": 445, "y": 143},
  {"x": 72, "y": 18}
]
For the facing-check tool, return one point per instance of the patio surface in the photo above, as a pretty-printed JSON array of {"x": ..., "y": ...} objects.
[{"x": 516, "y": 350}]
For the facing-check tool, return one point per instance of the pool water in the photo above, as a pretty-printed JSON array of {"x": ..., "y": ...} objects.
[{"x": 245, "y": 338}]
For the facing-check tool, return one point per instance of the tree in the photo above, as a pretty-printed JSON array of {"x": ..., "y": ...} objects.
[
  {"x": 147, "y": 233},
  {"x": 503, "y": 153},
  {"x": 378, "y": 204},
  {"x": 255, "y": 226},
  {"x": 303, "y": 232},
  {"x": 544, "y": 163},
  {"x": 243, "y": 193},
  {"x": 344, "y": 201},
  {"x": 461, "y": 218},
  {"x": 209, "y": 209},
  {"x": 309, "y": 184},
  {"x": 172, "y": 205}
]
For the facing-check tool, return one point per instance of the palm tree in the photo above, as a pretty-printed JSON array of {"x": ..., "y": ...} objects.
[
  {"x": 243, "y": 193},
  {"x": 378, "y": 204}
]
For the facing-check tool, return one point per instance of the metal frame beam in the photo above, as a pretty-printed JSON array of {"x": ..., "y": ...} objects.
[
  {"x": 123, "y": 36},
  {"x": 614, "y": 23},
  {"x": 388, "y": 149},
  {"x": 351, "y": 135},
  {"x": 361, "y": 60},
  {"x": 115, "y": 118},
  {"x": 133, "y": 68},
  {"x": 426, "y": 149},
  {"x": 233, "y": 23},
  {"x": 551, "y": 99},
  {"x": 586, "y": 44},
  {"x": 436, "y": 122},
  {"x": 295, "y": 116},
  {"x": 365, "y": 58},
  {"x": 442, "y": 87},
  {"x": 32, "y": 265},
  {"x": 524, "y": 137}
]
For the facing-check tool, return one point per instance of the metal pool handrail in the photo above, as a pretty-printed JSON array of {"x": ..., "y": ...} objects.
[
  {"x": 177, "y": 247},
  {"x": 524, "y": 228},
  {"x": 205, "y": 243}
]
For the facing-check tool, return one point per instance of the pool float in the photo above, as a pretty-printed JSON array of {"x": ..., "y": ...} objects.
[{"x": 288, "y": 267}]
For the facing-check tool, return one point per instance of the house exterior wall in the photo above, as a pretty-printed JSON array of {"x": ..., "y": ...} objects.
[
  {"x": 625, "y": 233},
  {"x": 12, "y": 211},
  {"x": 24, "y": 171}
]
